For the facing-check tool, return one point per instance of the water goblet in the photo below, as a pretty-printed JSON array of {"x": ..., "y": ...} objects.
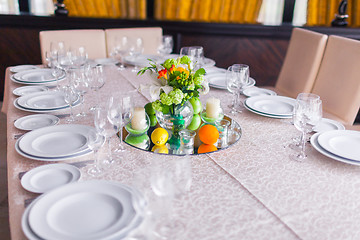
[
  {"x": 115, "y": 116},
  {"x": 105, "y": 128},
  {"x": 237, "y": 76},
  {"x": 136, "y": 48},
  {"x": 95, "y": 141},
  {"x": 120, "y": 50},
  {"x": 70, "y": 97},
  {"x": 96, "y": 79},
  {"x": 307, "y": 114},
  {"x": 80, "y": 84},
  {"x": 166, "y": 44}
]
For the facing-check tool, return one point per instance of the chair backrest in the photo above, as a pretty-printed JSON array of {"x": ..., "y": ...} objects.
[
  {"x": 93, "y": 40},
  {"x": 150, "y": 36},
  {"x": 302, "y": 62},
  {"x": 338, "y": 80}
]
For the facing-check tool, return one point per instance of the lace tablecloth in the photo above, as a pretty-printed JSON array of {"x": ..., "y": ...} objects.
[{"x": 249, "y": 191}]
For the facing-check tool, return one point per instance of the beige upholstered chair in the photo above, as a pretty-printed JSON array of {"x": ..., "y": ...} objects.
[
  {"x": 93, "y": 40},
  {"x": 338, "y": 80},
  {"x": 150, "y": 36},
  {"x": 301, "y": 63}
]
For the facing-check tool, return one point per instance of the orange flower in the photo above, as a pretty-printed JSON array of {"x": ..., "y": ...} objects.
[
  {"x": 181, "y": 70},
  {"x": 162, "y": 73},
  {"x": 172, "y": 69}
]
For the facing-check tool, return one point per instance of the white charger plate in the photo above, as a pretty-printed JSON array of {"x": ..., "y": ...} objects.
[
  {"x": 41, "y": 75},
  {"x": 314, "y": 142},
  {"x": 256, "y": 91},
  {"x": 82, "y": 210},
  {"x": 328, "y": 125},
  {"x": 21, "y": 68},
  {"x": 138, "y": 202},
  {"x": 50, "y": 176},
  {"x": 36, "y": 121},
  {"x": 56, "y": 141},
  {"x": 49, "y": 100},
  {"x": 267, "y": 115},
  {"x": 343, "y": 143},
  {"x": 22, "y": 91},
  {"x": 271, "y": 105}
]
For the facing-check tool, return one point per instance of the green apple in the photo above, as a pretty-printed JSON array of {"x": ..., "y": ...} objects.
[
  {"x": 137, "y": 141},
  {"x": 153, "y": 120},
  {"x": 196, "y": 104},
  {"x": 195, "y": 122},
  {"x": 149, "y": 109}
]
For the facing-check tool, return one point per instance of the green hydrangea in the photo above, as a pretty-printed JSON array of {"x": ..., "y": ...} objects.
[
  {"x": 177, "y": 96},
  {"x": 157, "y": 106},
  {"x": 185, "y": 60},
  {"x": 199, "y": 79},
  {"x": 169, "y": 62},
  {"x": 166, "y": 99}
]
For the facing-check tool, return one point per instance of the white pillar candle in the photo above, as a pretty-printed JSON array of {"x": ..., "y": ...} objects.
[
  {"x": 213, "y": 107},
  {"x": 138, "y": 121}
]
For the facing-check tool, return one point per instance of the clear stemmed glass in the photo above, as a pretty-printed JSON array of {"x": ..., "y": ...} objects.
[
  {"x": 171, "y": 179},
  {"x": 81, "y": 85},
  {"x": 120, "y": 51},
  {"x": 237, "y": 76},
  {"x": 52, "y": 59},
  {"x": 115, "y": 117},
  {"x": 166, "y": 44},
  {"x": 71, "y": 96},
  {"x": 79, "y": 57},
  {"x": 136, "y": 48},
  {"x": 95, "y": 141},
  {"x": 307, "y": 114},
  {"x": 96, "y": 79},
  {"x": 196, "y": 54},
  {"x": 105, "y": 128}
]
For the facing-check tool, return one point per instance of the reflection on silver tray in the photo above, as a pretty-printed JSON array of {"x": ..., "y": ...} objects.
[{"x": 234, "y": 136}]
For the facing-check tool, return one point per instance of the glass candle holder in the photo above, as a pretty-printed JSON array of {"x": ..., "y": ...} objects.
[
  {"x": 223, "y": 128},
  {"x": 187, "y": 138}
]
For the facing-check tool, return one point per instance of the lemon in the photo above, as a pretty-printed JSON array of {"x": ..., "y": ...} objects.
[
  {"x": 160, "y": 149},
  {"x": 159, "y": 136}
]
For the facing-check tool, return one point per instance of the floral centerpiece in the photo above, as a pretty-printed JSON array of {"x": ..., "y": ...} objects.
[{"x": 173, "y": 84}]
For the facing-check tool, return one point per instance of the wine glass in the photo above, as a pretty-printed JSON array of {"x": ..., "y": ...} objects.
[
  {"x": 96, "y": 79},
  {"x": 115, "y": 117},
  {"x": 120, "y": 50},
  {"x": 105, "y": 128},
  {"x": 307, "y": 114},
  {"x": 53, "y": 63},
  {"x": 81, "y": 85},
  {"x": 79, "y": 56},
  {"x": 95, "y": 140},
  {"x": 71, "y": 97},
  {"x": 196, "y": 54},
  {"x": 166, "y": 44},
  {"x": 237, "y": 76},
  {"x": 136, "y": 48}
]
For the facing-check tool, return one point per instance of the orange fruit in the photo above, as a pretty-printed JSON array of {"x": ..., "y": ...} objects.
[
  {"x": 205, "y": 148},
  {"x": 208, "y": 134}
]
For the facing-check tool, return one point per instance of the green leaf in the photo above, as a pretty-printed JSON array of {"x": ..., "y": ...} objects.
[{"x": 199, "y": 72}]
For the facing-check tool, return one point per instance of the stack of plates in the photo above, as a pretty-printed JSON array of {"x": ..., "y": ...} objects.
[
  {"x": 271, "y": 106},
  {"x": 340, "y": 145},
  {"x": 55, "y": 143},
  {"x": 36, "y": 77},
  {"x": 42, "y": 102},
  {"x": 217, "y": 78},
  {"x": 84, "y": 210}
]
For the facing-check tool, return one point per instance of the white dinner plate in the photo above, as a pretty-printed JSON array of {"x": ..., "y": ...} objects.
[
  {"x": 29, "y": 233},
  {"x": 218, "y": 80},
  {"x": 271, "y": 105},
  {"x": 41, "y": 75},
  {"x": 49, "y": 100},
  {"x": 256, "y": 91},
  {"x": 36, "y": 121},
  {"x": 328, "y": 125},
  {"x": 56, "y": 141},
  {"x": 48, "y": 159},
  {"x": 83, "y": 210},
  {"x": 105, "y": 61},
  {"x": 50, "y": 176},
  {"x": 214, "y": 70},
  {"x": 21, "y": 91},
  {"x": 343, "y": 143},
  {"x": 41, "y": 111},
  {"x": 143, "y": 60},
  {"x": 21, "y": 68},
  {"x": 314, "y": 142},
  {"x": 267, "y": 115},
  {"x": 51, "y": 83}
]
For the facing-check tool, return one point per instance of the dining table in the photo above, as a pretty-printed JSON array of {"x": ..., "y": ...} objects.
[{"x": 250, "y": 190}]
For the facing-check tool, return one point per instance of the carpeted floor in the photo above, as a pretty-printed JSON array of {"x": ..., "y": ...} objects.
[{"x": 4, "y": 210}]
